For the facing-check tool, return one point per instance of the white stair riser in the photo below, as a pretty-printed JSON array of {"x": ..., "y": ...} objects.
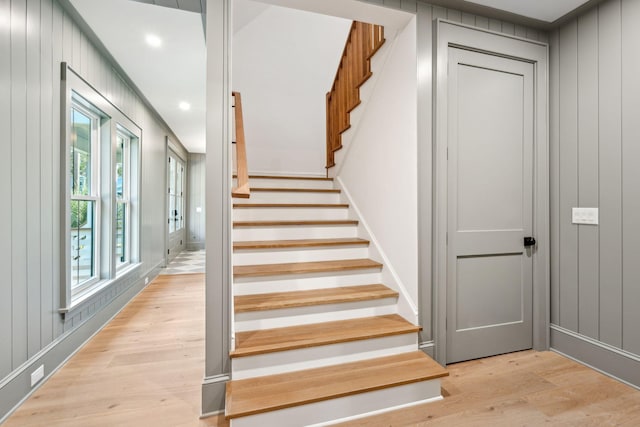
[
  {"x": 267, "y": 319},
  {"x": 288, "y": 183},
  {"x": 317, "y": 357},
  {"x": 291, "y": 197},
  {"x": 277, "y": 256},
  {"x": 290, "y": 214},
  {"x": 262, "y": 285},
  {"x": 333, "y": 411},
  {"x": 294, "y": 232}
]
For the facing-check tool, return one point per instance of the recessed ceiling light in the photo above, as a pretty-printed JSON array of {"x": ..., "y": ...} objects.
[
  {"x": 153, "y": 40},
  {"x": 185, "y": 106}
]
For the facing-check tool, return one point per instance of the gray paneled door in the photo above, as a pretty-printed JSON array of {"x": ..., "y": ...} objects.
[{"x": 490, "y": 204}]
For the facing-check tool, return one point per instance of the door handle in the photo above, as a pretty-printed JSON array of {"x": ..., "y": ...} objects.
[{"x": 529, "y": 241}]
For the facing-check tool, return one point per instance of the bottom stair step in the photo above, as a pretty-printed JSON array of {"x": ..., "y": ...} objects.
[{"x": 275, "y": 392}]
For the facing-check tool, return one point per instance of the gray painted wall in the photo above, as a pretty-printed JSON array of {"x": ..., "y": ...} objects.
[
  {"x": 37, "y": 37},
  {"x": 595, "y": 100},
  {"x": 195, "y": 200}
]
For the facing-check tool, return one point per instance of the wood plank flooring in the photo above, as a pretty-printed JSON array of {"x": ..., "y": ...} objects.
[{"x": 146, "y": 367}]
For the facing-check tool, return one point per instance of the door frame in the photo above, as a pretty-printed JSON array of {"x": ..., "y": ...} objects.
[
  {"x": 171, "y": 148},
  {"x": 448, "y": 34}
]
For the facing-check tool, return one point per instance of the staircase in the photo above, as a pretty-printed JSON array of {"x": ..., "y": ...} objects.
[{"x": 318, "y": 338}]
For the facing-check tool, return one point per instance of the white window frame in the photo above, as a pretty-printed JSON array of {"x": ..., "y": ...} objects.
[
  {"x": 78, "y": 104},
  {"x": 122, "y": 132},
  {"x": 75, "y": 91}
]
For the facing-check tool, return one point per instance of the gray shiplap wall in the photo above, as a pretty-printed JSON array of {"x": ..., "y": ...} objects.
[
  {"x": 195, "y": 200},
  {"x": 35, "y": 37},
  {"x": 595, "y": 150}
]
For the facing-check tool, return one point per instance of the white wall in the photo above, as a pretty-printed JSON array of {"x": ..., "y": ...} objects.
[
  {"x": 380, "y": 167},
  {"x": 284, "y": 61}
]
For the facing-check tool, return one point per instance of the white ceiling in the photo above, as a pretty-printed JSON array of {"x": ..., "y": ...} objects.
[
  {"x": 543, "y": 10},
  {"x": 173, "y": 73},
  {"x": 176, "y": 72}
]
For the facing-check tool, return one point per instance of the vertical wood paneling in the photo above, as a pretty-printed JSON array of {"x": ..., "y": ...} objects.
[
  {"x": 454, "y": 15},
  {"x": 508, "y": 28},
  {"x": 495, "y": 25},
  {"x": 520, "y": 31},
  {"x": 18, "y": 180},
  {"x": 408, "y": 5},
  {"x": 588, "y": 251},
  {"x": 32, "y": 165},
  {"x": 568, "y": 175},
  {"x": 57, "y": 22},
  {"x": 482, "y": 22},
  {"x": 439, "y": 12},
  {"x": 395, "y": 4},
  {"x": 46, "y": 172},
  {"x": 554, "y": 171},
  {"x": 610, "y": 191},
  {"x": 5, "y": 192},
  {"x": 630, "y": 174},
  {"x": 468, "y": 19}
]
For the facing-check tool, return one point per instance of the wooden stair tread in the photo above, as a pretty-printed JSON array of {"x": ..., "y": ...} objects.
[
  {"x": 250, "y": 343},
  {"x": 290, "y": 205},
  {"x": 306, "y": 178},
  {"x": 298, "y": 243},
  {"x": 256, "y": 395},
  {"x": 280, "y": 300},
  {"x": 294, "y": 223},
  {"x": 294, "y": 190},
  {"x": 303, "y": 267}
]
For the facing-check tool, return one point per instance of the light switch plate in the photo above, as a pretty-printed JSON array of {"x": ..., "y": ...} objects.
[{"x": 584, "y": 216}]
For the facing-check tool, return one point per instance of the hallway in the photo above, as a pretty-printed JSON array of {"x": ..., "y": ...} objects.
[{"x": 145, "y": 368}]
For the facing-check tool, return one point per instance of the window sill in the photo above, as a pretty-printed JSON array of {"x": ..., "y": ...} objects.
[{"x": 77, "y": 301}]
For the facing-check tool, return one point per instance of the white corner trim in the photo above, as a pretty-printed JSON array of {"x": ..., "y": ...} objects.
[{"x": 404, "y": 303}]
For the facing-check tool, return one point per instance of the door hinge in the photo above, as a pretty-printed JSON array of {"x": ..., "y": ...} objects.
[
  {"x": 447, "y": 153},
  {"x": 168, "y": 251},
  {"x": 446, "y": 237}
]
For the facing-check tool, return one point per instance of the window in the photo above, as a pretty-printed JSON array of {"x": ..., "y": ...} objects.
[
  {"x": 84, "y": 203},
  {"x": 101, "y": 192},
  {"x": 123, "y": 143}
]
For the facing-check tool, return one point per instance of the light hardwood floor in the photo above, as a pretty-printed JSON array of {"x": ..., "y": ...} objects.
[{"x": 145, "y": 369}]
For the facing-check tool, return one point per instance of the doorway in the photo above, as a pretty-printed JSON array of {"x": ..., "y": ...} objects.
[
  {"x": 491, "y": 266},
  {"x": 175, "y": 205}
]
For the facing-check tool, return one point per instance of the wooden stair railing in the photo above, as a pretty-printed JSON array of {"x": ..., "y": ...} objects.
[
  {"x": 354, "y": 69},
  {"x": 241, "y": 189}
]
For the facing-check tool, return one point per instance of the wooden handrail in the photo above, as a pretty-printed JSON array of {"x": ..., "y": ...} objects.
[
  {"x": 242, "y": 188},
  {"x": 354, "y": 69}
]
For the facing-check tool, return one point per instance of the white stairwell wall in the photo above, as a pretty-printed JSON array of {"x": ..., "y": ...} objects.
[{"x": 377, "y": 165}]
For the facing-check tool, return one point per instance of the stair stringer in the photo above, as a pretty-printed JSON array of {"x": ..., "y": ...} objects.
[{"x": 406, "y": 307}]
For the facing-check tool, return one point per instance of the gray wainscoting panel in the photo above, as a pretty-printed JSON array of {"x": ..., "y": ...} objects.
[
  {"x": 630, "y": 175},
  {"x": 610, "y": 166},
  {"x": 568, "y": 119},
  {"x": 5, "y": 193},
  {"x": 588, "y": 251},
  {"x": 595, "y": 292},
  {"x": 35, "y": 37}
]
